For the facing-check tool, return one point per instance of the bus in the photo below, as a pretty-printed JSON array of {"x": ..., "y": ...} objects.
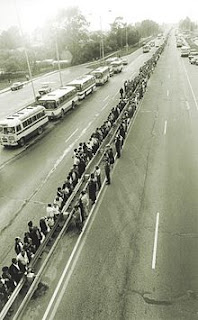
[
  {"x": 117, "y": 66},
  {"x": 15, "y": 129},
  {"x": 101, "y": 74},
  {"x": 59, "y": 101},
  {"x": 146, "y": 48},
  {"x": 84, "y": 85}
]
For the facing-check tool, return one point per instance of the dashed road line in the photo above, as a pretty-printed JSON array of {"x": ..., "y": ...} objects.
[
  {"x": 165, "y": 127},
  {"x": 155, "y": 242},
  {"x": 71, "y": 135},
  {"x": 106, "y": 98}
]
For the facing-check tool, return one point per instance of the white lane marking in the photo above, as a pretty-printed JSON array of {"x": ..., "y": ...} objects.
[
  {"x": 194, "y": 98},
  {"x": 104, "y": 106},
  {"x": 155, "y": 242},
  {"x": 85, "y": 129},
  {"x": 187, "y": 105},
  {"x": 133, "y": 74},
  {"x": 169, "y": 76},
  {"x": 115, "y": 95},
  {"x": 167, "y": 93},
  {"x": 165, "y": 127},
  {"x": 71, "y": 135},
  {"x": 106, "y": 98}
]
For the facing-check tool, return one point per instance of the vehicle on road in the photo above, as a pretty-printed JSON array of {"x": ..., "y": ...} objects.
[
  {"x": 124, "y": 61},
  {"x": 179, "y": 43},
  {"x": 44, "y": 89},
  {"x": 21, "y": 125},
  {"x": 117, "y": 66},
  {"x": 146, "y": 48},
  {"x": 16, "y": 86},
  {"x": 101, "y": 74},
  {"x": 59, "y": 101},
  {"x": 193, "y": 56},
  {"x": 152, "y": 43},
  {"x": 84, "y": 85},
  {"x": 185, "y": 50}
]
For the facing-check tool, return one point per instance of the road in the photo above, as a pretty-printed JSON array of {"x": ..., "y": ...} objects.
[
  {"x": 31, "y": 175},
  {"x": 138, "y": 256}
]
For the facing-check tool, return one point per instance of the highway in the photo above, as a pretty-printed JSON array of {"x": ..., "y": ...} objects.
[
  {"x": 137, "y": 258},
  {"x": 31, "y": 175}
]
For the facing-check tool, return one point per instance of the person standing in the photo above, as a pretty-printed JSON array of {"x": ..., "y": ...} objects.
[
  {"x": 107, "y": 172},
  {"x": 85, "y": 202},
  {"x": 118, "y": 145},
  {"x": 98, "y": 177},
  {"x": 92, "y": 188},
  {"x": 15, "y": 271}
]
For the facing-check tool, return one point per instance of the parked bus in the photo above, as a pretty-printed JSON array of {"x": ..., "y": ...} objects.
[
  {"x": 59, "y": 101},
  {"x": 117, "y": 66},
  {"x": 21, "y": 125},
  {"x": 84, "y": 85},
  {"x": 101, "y": 74}
]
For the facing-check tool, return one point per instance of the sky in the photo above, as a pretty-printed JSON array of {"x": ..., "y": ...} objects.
[{"x": 100, "y": 14}]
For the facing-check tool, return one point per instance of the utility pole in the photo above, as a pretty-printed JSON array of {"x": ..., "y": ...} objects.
[{"x": 26, "y": 55}]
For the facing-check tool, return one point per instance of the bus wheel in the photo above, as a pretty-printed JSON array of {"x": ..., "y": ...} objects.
[
  {"x": 62, "y": 113},
  {"x": 21, "y": 142},
  {"x": 40, "y": 130}
]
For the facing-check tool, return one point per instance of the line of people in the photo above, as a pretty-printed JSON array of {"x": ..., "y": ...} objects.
[{"x": 25, "y": 249}]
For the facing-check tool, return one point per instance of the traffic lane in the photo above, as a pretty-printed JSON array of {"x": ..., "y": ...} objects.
[{"x": 172, "y": 192}]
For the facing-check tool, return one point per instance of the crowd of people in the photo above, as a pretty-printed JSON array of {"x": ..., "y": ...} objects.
[{"x": 25, "y": 249}]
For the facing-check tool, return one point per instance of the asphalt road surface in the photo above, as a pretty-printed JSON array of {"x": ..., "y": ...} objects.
[
  {"x": 138, "y": 256},
  {"x": 30, "y": 175}
]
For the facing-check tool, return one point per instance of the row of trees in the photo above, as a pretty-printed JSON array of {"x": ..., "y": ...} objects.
[
  {"x": 187, "y": 25},
  {"x": 70, "y": 31}
]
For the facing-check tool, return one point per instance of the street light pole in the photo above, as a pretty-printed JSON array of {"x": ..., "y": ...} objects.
[
  {"x": 58, "y": 59},
  {"x": 126, "y": 39},
  {"x": 26, "y": 55},
  {"x": 102, "y": 41}
]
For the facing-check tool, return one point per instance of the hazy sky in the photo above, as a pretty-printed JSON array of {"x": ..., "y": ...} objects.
[{"x": 34, "y": 13}]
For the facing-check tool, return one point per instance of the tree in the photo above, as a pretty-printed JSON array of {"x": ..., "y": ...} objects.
[{"x": 10, "y": 39}]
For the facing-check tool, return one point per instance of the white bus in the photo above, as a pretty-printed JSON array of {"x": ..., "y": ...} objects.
[
  {"x": 117, "y": 66},
  {"x": 101, "y": 74},
  {"x": 84, "y": 85},
  {"x": 59, "y": 101},
  {"x": 21, "y": 125}
]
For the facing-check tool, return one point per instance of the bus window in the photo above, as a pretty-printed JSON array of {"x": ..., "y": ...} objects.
[
  {"x": 18, "y": 128},
  {"x": 9, "y": 130}
]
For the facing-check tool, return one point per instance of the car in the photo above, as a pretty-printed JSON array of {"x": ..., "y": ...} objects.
[
  {"x": 16, "y": 86},
  {"x": 193, "y": 56},
  {"x": 152, "y": 43},
  {"x": 44, "y": 89},
  {"x": 124, "y": 61}
]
